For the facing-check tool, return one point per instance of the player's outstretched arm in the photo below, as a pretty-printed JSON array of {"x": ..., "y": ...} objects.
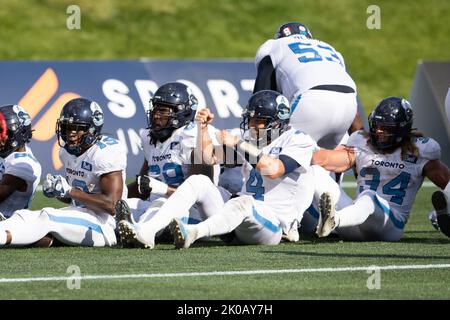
[
  {"x": 271, "y": 167},
  {"x": 339, "y": 160},
  {"x": 111, "y": 186}
]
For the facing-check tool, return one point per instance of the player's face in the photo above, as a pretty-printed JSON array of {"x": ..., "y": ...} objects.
[
  {"x": 74, "y": 134},
  {"x": 160, "y": 116},
  {"x": 383, "y": 134},
  {"x": 256, "y": 126}
]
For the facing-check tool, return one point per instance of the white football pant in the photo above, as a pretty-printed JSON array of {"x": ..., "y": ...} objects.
[
  {"x": 196, "y": 199},
  {"x": 71, "y": 225},
  {"x": 369, "y": 218},
  {"x": 324, "y": 115}
]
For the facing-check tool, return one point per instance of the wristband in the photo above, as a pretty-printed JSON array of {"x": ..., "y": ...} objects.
[{"x": 158, "y": 187}]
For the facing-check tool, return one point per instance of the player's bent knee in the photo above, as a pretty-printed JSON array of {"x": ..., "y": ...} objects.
[
  {"x": 199, "y": 180},
  {"x": 242, "y": 204}
]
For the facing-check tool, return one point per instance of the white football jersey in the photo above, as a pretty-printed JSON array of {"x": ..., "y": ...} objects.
[
  {"x": 24, "y": 166},
  {"x": 170, "y": 160},
  {"x": 395, "y": 180},
  {"x": 84, "y": 172},
  {"x": 301, "y": 64},
  {"x": 282, "y": 194}
]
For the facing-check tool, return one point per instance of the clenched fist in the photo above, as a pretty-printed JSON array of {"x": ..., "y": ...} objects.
[{"x": 204, "y": 117}]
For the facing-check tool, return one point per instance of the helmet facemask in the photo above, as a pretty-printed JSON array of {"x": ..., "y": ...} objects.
[
  {"x": 161, "y": 120},
  {"x": 16, "y": 137},
  {"x": 264, "y": 136},
  {"x": 77, "y": 137},
  {"x": 387, "y": 135}
]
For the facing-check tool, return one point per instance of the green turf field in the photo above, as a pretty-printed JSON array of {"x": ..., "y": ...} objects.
[
  {"x": 382, "y": 62},
  {"x": 422, "y": 245}
]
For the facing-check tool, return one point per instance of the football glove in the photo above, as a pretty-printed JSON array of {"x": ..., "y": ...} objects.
[
  {"x": 48, "y": 186},
  {"x": 148, "y": 185},
  {"x": 62, "y": 187},
  {"x": 56, "y": 186}
]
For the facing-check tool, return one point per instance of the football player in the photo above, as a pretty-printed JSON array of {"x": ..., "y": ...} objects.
[
  {"x": 168, "y": 145},
  {"x": 94, "y": 168},
  {"x": 276, "y": 191},
  {"x": 391, "y": 162},
  {"x": 312, "y": 75},
  {"x": 20, "y": 172}
]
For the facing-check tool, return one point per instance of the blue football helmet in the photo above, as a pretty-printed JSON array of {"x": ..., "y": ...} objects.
[
  {"x": 390, "y": 123},
  {"x": 291, "y": 28},
  {"x": 18, "y": 123},
  {"x": 270, "y": 106},
  {"x": 79, "y": 114},
  {"x": 174, "y": 102}
]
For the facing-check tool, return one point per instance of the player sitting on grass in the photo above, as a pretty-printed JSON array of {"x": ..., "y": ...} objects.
[
  {"x": 94, "y": 165},
  {"x": 391, "y": 162},
  {"x": 277, "y": 189},
  {"x": 20, "y": 172},
  {"x": 168, "y": 145}
]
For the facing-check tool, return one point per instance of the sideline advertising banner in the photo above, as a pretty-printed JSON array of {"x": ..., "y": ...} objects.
[{"x": 123, "y": 90}]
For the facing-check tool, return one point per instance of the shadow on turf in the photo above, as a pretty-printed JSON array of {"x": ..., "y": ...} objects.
[{"x": 359, "y": 255}]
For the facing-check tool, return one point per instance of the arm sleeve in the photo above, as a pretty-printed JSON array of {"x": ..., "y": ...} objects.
[
  {"x": 300, "y": 149},
  {"x": 288, "y": 163},
  {"x": 265, "y": 78}
]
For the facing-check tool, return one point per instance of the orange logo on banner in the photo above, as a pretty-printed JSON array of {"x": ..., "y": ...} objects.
[{"x": 35, "y": 100}]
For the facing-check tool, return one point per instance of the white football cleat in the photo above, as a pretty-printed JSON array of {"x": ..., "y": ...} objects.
[
  {"x": 433, "y": 219},
  {"x": 182, "y": 234},
  {"x": 327, "y": 211}
]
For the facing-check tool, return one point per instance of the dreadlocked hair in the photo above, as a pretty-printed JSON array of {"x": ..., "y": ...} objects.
[{"x": 408, "y": 146}]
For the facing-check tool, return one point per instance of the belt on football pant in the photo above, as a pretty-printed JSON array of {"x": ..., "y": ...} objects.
[{"x": 334, "y": 87}]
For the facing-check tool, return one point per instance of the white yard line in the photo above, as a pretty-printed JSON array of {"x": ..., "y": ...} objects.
[{"x": 226, "y": 273}]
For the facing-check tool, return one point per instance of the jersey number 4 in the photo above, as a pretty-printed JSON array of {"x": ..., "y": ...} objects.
[
  {"x": 255, "y": 185},
  {"x": 396, "y": 187}
]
